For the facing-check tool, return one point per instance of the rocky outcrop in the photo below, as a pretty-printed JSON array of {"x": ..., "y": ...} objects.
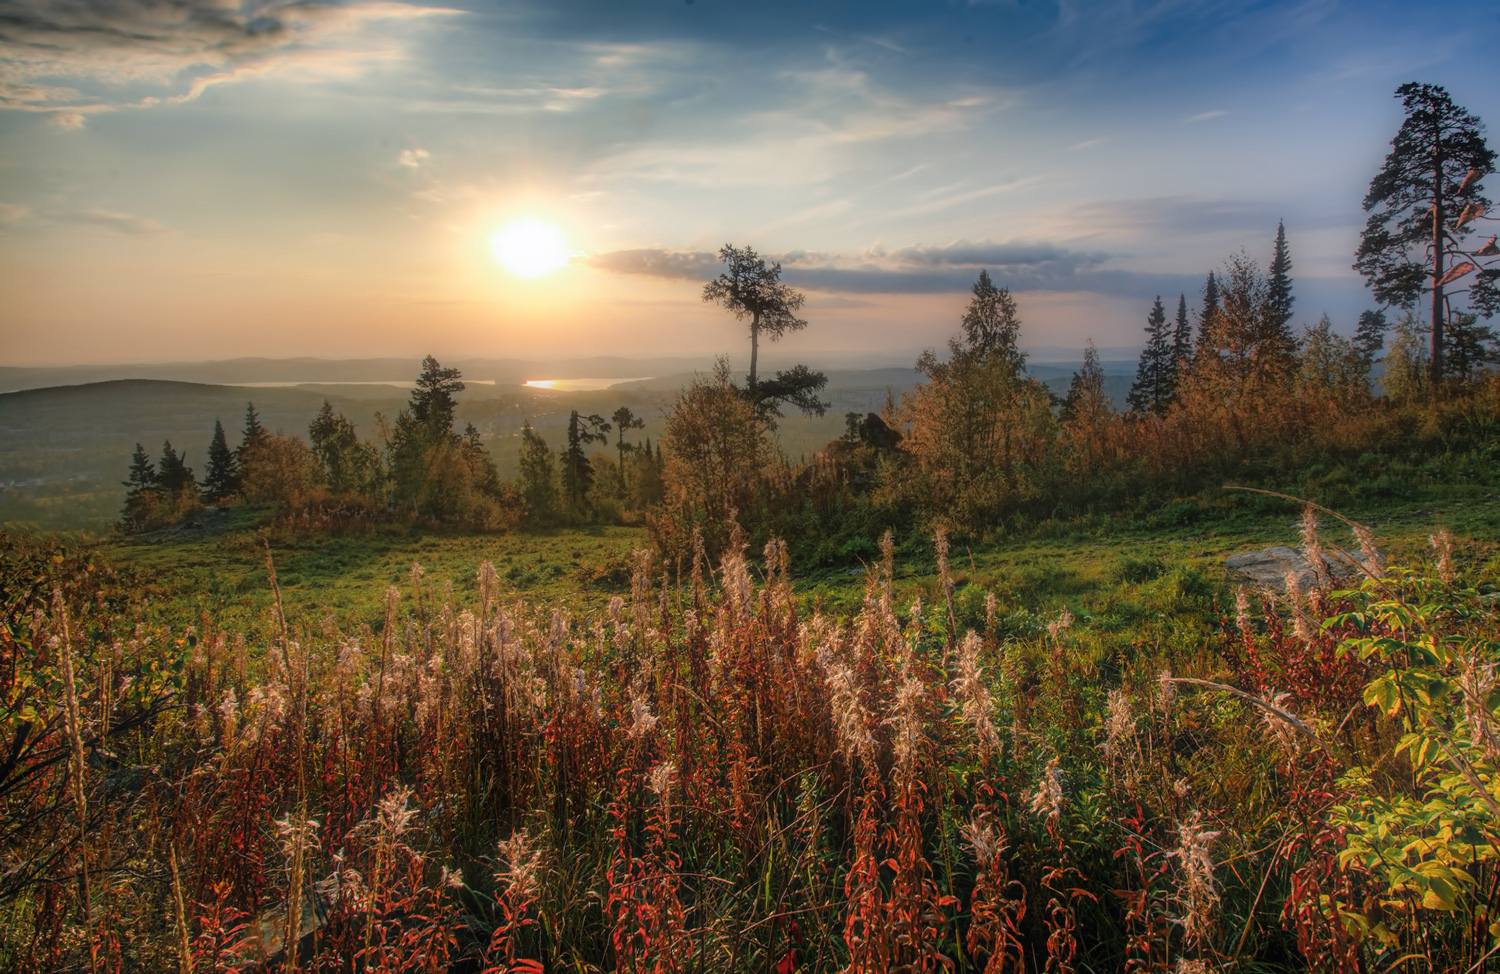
[{"x": 1270, "y": 567}]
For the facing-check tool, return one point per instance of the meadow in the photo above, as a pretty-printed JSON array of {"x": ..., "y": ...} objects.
[{"x": 1074, "y": 748}]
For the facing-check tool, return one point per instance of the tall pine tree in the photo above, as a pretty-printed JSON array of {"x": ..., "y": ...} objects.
[
  {"x": 1152, "y": 390},
  {"x": 577, "y": 472},
  {"x": 1182, "y": 340},
  {"x": 1278, "y": 343},
  {"x": 1208, "y": 317}
]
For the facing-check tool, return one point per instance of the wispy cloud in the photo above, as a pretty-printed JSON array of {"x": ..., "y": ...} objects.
[
  {"x": 78, "y": 59},
  {"x": 123, "y": 223},
  {"x": 1205, "y": 116}
]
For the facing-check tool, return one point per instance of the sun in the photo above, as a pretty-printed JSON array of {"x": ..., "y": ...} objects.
[{"x": 530, "y": 248}]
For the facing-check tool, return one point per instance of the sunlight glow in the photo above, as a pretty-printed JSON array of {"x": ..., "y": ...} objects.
[
  {"x": 530, "y": 248},
  {"x": 540, "y": 383}
]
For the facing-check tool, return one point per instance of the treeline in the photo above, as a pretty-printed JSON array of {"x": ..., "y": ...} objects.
[
  {"x": 418, "y": 468},
  {"x": 1232, "y": 392}
]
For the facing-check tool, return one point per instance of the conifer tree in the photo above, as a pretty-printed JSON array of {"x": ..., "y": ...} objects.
[
  {"x": 1421, "y": 204},
  {"x": 1369, "y": 335},
  {"x": 1207, "y": 319},
  {"x": 577, "y": 473},
  {"x": 1182, "y": 341},
  {"x": 254, "y": 433},
  {"x": 220, "y": 480},
  {"x": 1277, "y": 342},
  {"x": 141, "y": 493},
  {"x": 1152, "y": 390},
  {"x": 173, "y": 475},
  {"x": 625, "y": 421}
]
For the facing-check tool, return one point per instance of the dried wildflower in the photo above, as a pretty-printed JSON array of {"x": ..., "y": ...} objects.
[
  {"x": 1442, "y": 543},
  {"x": 1369, "y": 555},
  {"x": 990, "y": 605},
  {"x": 851, "y": 721},
  {"x": 1121, "y": 721},
  {"x": 970, "y": 689},
  {"x": 906, "y": 719},
  {"x": 1284, "y": 730},
  {"x": 1242, "y": 611},
  {"x": 1478, "y": 683},
  {"x": 522, "y": 864},
  {"x": 983, "y": 839},
  {"x": 1182, "y": 788},
  {"x": 296, "y": 834},
  {"x": 1166, "y": 691},
  {"x": 1312, "y": 549},
  {"x": 452, "y": 878},
  {"x": 642, "y": 719},
  {"x": 229, "y": 711},
  {"x": 1199, "y": 890},
  {"x": 1048, "y": 799},
  {"x": 660, "y": 779},
  {"x": 1061, "y": 624}
]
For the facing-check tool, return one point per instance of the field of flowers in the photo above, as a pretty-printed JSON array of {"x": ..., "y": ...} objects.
[{"x": 706, "y": 776}]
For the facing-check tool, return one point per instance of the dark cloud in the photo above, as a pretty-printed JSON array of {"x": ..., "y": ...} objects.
[
  {"x": 100, "y": 46},
  {"x": 919, "y": 270},
  {"x": 679, "y": 265}
]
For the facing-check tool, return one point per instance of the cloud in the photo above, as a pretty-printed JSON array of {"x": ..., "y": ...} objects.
[
  {"x": 1020, "y": 266},
  {"x": 690, "y": 265},
  {"x": 1205, "y": 116},
  {"x": 123, "y": 223},
  {"x": 413, "y": 158},
  {"x": 13, "y": 213},
  {"x": 78, "y": 59}
]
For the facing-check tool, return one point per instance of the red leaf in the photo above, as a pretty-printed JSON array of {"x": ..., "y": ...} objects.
[{"x": 787, "y": 964}]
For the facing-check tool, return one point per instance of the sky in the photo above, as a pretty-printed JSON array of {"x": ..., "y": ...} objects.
[{"x": 205, "y": 179}]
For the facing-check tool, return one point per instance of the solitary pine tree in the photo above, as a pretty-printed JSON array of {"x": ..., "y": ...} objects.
[
  {"x": 1152, "y": 390},
  {"x": 1420, "y": 204},
  {"x": 220, "y": 480},
  {"x": 751, "y": 289},
  {"x": 141, "y": 492}
]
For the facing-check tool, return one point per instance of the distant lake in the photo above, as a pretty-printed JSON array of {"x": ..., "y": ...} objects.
[
  {"x": 395, "y": 383},
  {"x": 580, "y": 385}
]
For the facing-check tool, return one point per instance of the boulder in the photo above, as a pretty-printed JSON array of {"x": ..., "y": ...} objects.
[{"x": 1270, "y": 567}]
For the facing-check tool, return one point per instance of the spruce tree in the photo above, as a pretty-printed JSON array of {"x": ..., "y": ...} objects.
[
  {"x": 141, "y": 492},
  {"x": 1208, "y": 320},
  {"x": 1277, "y": 342},
  {"x": 1151, "y": 391},
  {"x": 173, "y": 474},
  {"x": 537, "y": 479},
  {"x": 1182, "y": 341},
  {"x": 219, "y": 480},
  {"x": 142, "y": 472},
  {"x": 254, "y": 433}
]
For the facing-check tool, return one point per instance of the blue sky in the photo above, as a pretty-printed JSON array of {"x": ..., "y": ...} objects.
[{"x": 190, "y": 179}]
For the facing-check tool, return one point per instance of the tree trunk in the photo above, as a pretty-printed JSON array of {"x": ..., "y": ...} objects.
[
  {"x": 754, "y": 348},
  {"x": 1437, "y": 272}
]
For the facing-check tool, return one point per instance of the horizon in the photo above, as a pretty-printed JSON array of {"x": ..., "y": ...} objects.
[{"x": 197, "y": 182}]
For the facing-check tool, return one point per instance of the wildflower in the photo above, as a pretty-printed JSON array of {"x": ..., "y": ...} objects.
[
  {"x": 983, "y": 840},
  {"x": 1049, "y": 795},
  {"x": 1199, "y": 889},
  {"x": 970, "y": 689},
  {"x": 522, "y": 862},
  {"x": 1369, "y": 555},
  {"x": 1442, "y": 543},
  {"x": 1312, "y": 549},
  {"x": 1284, "y": 731},
  {"x": 1121, "y": 721},
  {"x": 660, "y": 779},
  {"x": 1061, "y": 624},
  {"x": 642, "y": 719},
  {"x": 850, "y": 718},
  {"x": 1166, "y": 691},
  {"x": 906, "y": 718},
  {"x": 452, "y": 878},
  {"x": 229, "y": 710},
  {"x": 1242, "y": 611}
]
